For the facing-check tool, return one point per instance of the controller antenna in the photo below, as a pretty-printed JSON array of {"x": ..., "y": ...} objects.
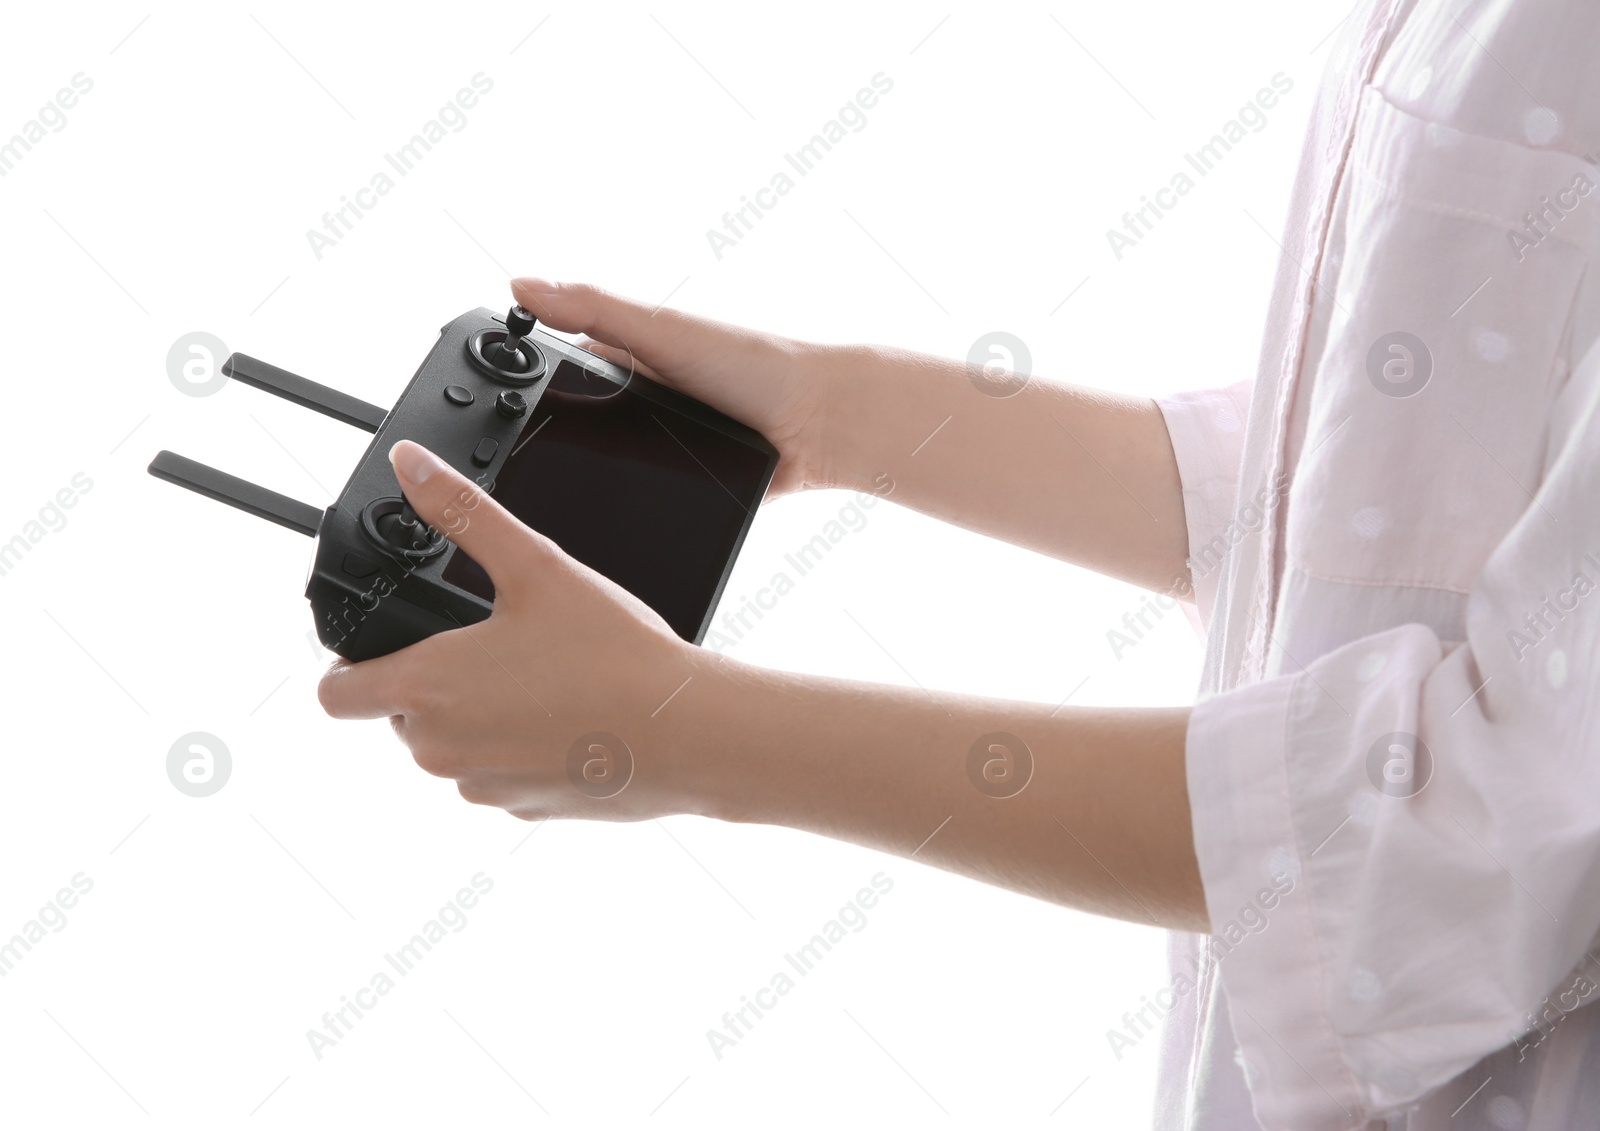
[{"x": 508, "y": 355}]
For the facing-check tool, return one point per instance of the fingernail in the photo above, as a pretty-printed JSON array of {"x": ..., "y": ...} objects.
[
  {"x": 538, "y": 286},
  {"x": 413, "y": 463}
]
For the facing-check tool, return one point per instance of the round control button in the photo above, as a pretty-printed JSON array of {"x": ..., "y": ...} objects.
[
  {"x": 511, "y": 404},
  {"x": 458, "y": 394}
]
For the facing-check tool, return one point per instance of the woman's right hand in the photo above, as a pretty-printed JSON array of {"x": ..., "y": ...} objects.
[
  {"x": 776, "y": 385},
  {"x": 1080, "y": 474}
]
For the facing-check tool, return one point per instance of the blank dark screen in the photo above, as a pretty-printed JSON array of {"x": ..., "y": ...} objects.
[{"x": 650, "y": 498}]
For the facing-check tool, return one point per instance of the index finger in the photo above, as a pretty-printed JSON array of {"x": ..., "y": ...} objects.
[{"x": 370, "y": 689}]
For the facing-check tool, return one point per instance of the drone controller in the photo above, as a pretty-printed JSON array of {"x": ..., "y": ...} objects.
[{"x": 643, "y": 484}]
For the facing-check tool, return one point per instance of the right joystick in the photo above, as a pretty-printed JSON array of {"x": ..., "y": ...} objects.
[{"x": 511, "y": 354}]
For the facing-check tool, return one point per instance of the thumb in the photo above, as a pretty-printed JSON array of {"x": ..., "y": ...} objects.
[
  {"x": 662, "y": 338},
  {"x": 464, "y": 512}
]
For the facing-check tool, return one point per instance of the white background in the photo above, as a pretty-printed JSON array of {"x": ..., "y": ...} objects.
[{"x": 177, "y": 198}]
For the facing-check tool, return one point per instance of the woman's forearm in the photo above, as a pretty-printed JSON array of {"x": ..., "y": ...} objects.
[
  {"x": 1083, "y": 807},
  {"x": 1082, "y": 475},
  {"x": 574, "y": 699}
]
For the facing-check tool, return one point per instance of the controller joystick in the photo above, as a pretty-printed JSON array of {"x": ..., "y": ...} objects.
[
  {"x": 509, "y": 353},
  {"x": 392, "y": 523},
  {"x": 508, "y": 356},
  {"x": 403, "y": 530}
]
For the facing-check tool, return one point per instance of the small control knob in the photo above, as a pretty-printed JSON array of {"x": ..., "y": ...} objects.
[
  {"x": 509, "y": 353},
  {"x": 511, "y": 404}
]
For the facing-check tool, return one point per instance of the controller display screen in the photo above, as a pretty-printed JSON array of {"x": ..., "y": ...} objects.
[{"x": 650, "y": 498}]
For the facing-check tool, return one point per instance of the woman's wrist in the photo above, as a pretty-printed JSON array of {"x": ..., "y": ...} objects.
[
  {"x": 870, "y": 402},
  {"x": 758, "y": 746},
  {"x": 705, "y": 740}
]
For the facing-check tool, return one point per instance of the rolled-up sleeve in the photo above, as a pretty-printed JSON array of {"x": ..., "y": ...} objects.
[
  {"x": 1207, "y": 431},
  {"x": 1431, "y": 810}
]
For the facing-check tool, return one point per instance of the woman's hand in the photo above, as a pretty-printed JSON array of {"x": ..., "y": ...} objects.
[
  {"x": 778, "y": 386},
  {"x": 1080, "y": 474},
  {"x": 576, "y": 700},
  {"x": 567, "y": 702}
]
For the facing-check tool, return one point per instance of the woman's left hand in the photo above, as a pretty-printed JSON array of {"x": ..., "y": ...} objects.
[{"x": 567, "y": 701}]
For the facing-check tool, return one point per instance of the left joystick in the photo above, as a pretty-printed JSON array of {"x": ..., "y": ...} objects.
[{"x": 400, "y": 529}]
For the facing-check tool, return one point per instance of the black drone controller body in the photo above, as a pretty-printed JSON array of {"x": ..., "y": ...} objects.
[{"x": 648, "y": 486}]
